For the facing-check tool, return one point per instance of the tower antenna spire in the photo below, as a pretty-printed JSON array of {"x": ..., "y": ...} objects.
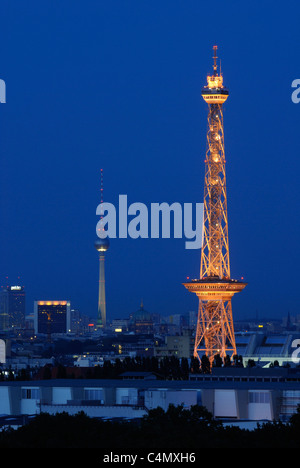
[{"x": 215, "y": 59}]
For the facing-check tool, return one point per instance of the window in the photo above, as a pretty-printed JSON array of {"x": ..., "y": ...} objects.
[
  {"x": 93, "y": 394},
  {"x": 259, "y": 397},
  {"x": 30, "y": 393}
]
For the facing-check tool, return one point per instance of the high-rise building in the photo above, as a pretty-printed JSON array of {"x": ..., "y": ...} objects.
[
  {"x": 12, "y": 307},
  {"x": 75, "y": 321},
  {"x": 51, "y": 317},
  {"x": 119, "y": 325},
  {"x": 101, "y": 245},
  {"x": 215, "y": 288}
]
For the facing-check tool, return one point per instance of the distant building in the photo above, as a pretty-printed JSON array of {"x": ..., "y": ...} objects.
[
  {"x": 141, "y": 321},
  {"x": 176, "y": 319},
  {"x": 51, "y": 317},
  {"x": 12, "y": 307},
  {"x": 119, "y": 325},
  {"x": 193, "y": 319},
  {"x": 29, "y": 321},
  {"x": 75, "y": 321},
  {"x": 134, "y": 344},
  {"x": 179, "y": 346},
  {"x": 162, "y": 328}
]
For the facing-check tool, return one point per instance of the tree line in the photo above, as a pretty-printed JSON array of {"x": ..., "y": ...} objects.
[
  {"x": 166, "y": 368},
  {"x": 192, "y": 429}
]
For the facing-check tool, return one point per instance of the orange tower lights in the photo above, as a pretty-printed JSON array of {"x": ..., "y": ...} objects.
[{"x": 215, "y": 288}]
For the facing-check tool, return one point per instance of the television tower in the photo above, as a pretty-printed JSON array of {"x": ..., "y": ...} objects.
[
  {"x": 215, "y": 288},
  {"x": 102, "y": 246}
]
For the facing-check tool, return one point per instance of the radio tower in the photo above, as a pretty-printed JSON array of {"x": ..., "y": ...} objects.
[
  {"x": 102, "y": 246},
  {"x": 215, "y": 288}
]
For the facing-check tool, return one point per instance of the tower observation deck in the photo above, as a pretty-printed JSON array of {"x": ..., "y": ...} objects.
[{"x": 215, "y": 288}]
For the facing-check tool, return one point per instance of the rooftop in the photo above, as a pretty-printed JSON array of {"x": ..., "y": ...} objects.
[{"x": 226, "y": 378}]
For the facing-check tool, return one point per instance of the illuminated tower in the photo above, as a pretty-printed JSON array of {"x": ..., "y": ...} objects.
[
  {"x": 215, "y": 288},
  {"x": 102, "y": 246}
]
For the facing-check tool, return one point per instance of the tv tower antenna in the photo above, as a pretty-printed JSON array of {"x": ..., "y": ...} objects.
[
  {"x": 101, "y": 191},
  {"x": 215, "y": 288}
]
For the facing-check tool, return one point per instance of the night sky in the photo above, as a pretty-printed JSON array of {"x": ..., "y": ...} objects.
[{"x": 117, "y": 85}]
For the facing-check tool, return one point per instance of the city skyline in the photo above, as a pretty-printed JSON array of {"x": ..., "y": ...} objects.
[{"x": 84, "y": 99}]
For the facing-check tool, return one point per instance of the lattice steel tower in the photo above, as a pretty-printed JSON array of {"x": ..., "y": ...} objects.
[{"x": 215, "y": 288}]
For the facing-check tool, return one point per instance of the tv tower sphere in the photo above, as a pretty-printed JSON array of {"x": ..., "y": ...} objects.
[{"x": 101, "y": 245}]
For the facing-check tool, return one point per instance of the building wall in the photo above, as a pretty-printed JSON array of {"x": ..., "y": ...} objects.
[
  {"x": 60, "y": 395},
  {"x": 126, "y": 396},
  {"x": 242, "y": 403},
  {"x": 253, "y": 400},
  {"x": 5, "y": 400},
  {"x": 207, "y": 399},
  {"x": 15, "y": 395},
  {"x": 260, "y": 405},
  {"x": 163, "y": 398},
  {"x": 225, "y": 404},
  {"x": 30, "y": 400}
]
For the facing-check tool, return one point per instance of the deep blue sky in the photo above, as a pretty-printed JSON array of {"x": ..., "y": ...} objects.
[{"x": 117, "y": 85}]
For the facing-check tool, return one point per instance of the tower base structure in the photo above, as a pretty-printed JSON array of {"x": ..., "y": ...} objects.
[{"x": 215, "y": 331}]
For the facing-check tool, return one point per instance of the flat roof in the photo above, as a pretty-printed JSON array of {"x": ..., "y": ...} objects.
[{"x": 206, "y": 383}]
